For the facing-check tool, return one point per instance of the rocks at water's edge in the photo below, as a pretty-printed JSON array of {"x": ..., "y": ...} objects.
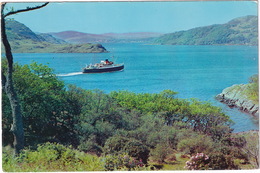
[{"x": 235, "y": 96}]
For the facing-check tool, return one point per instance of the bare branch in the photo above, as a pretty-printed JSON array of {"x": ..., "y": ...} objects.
[
  {"x": 24, "y": 10},
  {"x": 7, "y": 81}
]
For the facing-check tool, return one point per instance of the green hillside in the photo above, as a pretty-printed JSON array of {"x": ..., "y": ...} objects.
[
  {"x": 239, "y": 31},
  {"x": 24, "y": 40}
]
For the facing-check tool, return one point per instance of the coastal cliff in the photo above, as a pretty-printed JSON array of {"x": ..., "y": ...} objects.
[{"x": 236, "y": 96}]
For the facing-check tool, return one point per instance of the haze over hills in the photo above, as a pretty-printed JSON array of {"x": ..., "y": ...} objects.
[
  {"x": 80, "y": 37},
  {"x": 239, "y": 31},
  {"x": 24, "y": 40}
]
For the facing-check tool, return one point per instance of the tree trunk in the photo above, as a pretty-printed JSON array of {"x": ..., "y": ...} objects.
[{"x": 17, "y": 126}]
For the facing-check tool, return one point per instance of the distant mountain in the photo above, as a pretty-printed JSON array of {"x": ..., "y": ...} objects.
[
  {"x": 24, "y": 40},
  {"x": 133, "y": 35},
  {"x": 50, "y": 39},
  {"x": 80, "y": 37},
  {"x": 239, "y": 31}
]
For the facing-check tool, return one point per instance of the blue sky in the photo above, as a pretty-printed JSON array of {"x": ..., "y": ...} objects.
[{"x": 123, "y": 17}]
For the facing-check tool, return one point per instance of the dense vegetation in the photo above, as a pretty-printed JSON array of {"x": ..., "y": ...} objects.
[
  {"x": 239, "y": 31},
  {"x": 253, "y": 88},
  {"x": 23, "y": 40},
  {"x": 71, "y": 129}
]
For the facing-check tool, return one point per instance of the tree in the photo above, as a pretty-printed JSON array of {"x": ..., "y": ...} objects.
[
  {"x": 7, "y": 81},
  {"x": 251, "y": 149}
]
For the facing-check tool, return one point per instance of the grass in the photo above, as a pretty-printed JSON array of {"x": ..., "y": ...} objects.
[
  {"x": 174, "y": 165},
  {"x": 248, "y": 91},
  {"x": 49, "y": 157}
]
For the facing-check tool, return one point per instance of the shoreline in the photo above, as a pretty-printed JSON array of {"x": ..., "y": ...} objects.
[{"x": 235, "y": 97}]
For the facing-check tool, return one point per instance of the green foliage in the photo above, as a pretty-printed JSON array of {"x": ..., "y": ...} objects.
[
  {"x": 160, "y": 153},
  {"x": 215, "y": 161},
  {"x": 46, "y": 112},
  {"x": 219, "y": 161},
  {"x": 198, "y": 162},
  {"x": 251, "y": 147},
  {"x": 122, "y": 162},
  {"x": 196, "y": 143},
  {"x": 115, "y": 144},
  {"x": 201, "y": 116},
  {"x": 51, "y": 157},
  {"x": 253, "y": 88},
  {"x": 90, "y": 146},
  {"x": 131, "y": 146},
  {"x": 240, "y": 31},
  {"x": 208, "y": 119},
  {"x": 165, "y": 134},
  {"x": 137, "y": 150},
  {"x": 9, "y": 163},
  {"x": 139, "y": 125}
]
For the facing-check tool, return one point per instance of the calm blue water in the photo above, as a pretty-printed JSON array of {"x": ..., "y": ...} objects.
[{"x": 193, "y": 71}]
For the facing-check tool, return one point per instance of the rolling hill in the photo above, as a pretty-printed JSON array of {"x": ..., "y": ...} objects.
[
  {"x": 24, "y": 40},
  {"x": 239, "y": 31},
  {"x": 80, "y": 37}
]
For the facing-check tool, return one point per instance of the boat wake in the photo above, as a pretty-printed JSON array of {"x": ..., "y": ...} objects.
[{"x": 70, "y": 74}]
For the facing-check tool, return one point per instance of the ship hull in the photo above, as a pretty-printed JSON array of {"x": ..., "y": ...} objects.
[{"x": 104, "y": 69}]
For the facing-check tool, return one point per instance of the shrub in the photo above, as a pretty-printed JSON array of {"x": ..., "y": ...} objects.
[
  {"x": 195, "y": 144},
  {"x": 164, "y": 134},
  {"x": 219, "y": 161},
  {"x": 121, "y": 162},
  {"x": 137, "y": 150},
  {"x": 115, "y": 144},
  {"x": 160, "y": 153},
  {"x": 215, "y": 161},
  {"x": 52, "y": 157},
  {"x": 198, "y": 162},
  {"x": 9, "y": 163},
  {"x": 134, "y": 148},
  {"x": 90, "y": 146}
]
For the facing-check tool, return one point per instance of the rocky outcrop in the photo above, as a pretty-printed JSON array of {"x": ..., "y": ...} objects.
[{"x": 235, "y": 96}]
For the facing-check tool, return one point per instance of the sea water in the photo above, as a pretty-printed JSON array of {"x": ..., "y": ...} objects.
[{"x": 199, "y": 72}]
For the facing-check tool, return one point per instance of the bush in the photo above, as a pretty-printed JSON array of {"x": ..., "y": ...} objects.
[
  {"x": 134, "y": 148},
  {"x": 195, "y": 144},
  {"x": 90, "y": 146},
  {"x": 115, "y": 144},
  {"x": 52, "y": 157},
  {"x": 160, "y": 153},
  {"x": 216, "y": 161},
  {"x": 198, "y": 162},
  {"x": 121, "y": 162},
  {"x": 9, "y": 163},
  {"x": 137, "y": 150},
  {"x": 219, "y": 161}
]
